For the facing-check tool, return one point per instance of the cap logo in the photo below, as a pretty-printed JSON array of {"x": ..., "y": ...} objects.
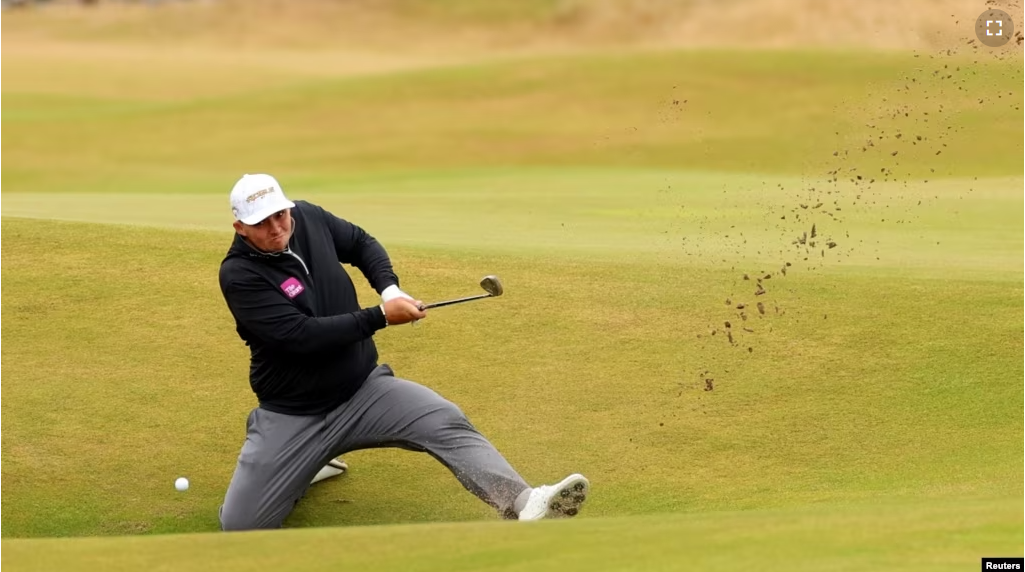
[{"x": 253, "y": 197}]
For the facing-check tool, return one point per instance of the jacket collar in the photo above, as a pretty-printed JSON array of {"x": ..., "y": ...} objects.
[{"x": 242, "y": 247}]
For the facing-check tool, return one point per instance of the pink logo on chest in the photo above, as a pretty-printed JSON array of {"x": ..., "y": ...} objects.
[{"x": 292, "y": 287}]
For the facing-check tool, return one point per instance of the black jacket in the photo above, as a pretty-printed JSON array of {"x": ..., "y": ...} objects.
[{"x": 311, "y": 344}]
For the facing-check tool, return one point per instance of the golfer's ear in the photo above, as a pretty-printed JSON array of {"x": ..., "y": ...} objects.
[{"x": 239, "y": 228}]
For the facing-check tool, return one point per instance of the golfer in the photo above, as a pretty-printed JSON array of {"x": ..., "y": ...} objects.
[{"x": 315, "y": 372}]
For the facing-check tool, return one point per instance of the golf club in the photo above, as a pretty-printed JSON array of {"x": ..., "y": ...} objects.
[{"x": 491, "y": 284}]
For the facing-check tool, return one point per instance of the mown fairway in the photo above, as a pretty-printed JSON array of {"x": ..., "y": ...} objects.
[{"x": 868, "y": 418}]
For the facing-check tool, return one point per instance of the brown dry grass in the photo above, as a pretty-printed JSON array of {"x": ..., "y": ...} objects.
[
  {"x": 463, "y": 27},
  {"x": 219, "y": 47}
]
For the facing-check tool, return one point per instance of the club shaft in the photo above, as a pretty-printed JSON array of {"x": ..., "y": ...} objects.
[{"x": 456, "y": 301}]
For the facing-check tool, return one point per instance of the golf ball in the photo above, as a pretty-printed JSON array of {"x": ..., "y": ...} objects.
[{"x": 181, "y": 484}]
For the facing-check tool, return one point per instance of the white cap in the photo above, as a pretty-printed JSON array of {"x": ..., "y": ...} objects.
[{"x": 256, "y": 197}]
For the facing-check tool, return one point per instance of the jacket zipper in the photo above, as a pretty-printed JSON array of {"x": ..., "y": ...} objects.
[{"x": 289, "y": 251}]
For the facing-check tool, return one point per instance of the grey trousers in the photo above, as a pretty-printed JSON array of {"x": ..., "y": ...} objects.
[{"x": 282, "y": 453}]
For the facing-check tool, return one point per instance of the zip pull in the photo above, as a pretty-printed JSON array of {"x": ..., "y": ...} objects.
[{"x": 289, "y": 251}]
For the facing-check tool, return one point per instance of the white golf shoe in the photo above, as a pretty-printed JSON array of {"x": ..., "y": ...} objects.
[
  {"x": 333, "y": 468},
  {"x": 561, "y": 500}
]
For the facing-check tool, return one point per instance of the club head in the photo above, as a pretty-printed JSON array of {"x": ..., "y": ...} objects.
[{"x": 492, "y": 285}]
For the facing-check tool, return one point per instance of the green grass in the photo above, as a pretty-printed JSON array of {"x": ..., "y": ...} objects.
[
  {"x": 950, "y": 227},
  {"x": 869, "y": 420},
  {"x": 947, "y": 535},
  {"x": 610, "y": 110}
]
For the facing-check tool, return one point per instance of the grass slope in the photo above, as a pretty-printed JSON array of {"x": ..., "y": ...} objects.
[
  {"x": 122, "y": 341},
  {"x": 949, "y": 535}
]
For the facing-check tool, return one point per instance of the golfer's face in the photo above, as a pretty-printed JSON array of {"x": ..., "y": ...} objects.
[{"x": 272, "y": 233}]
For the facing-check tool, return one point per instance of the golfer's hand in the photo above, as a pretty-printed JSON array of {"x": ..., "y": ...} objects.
[{"x": 402, "y": 311}]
